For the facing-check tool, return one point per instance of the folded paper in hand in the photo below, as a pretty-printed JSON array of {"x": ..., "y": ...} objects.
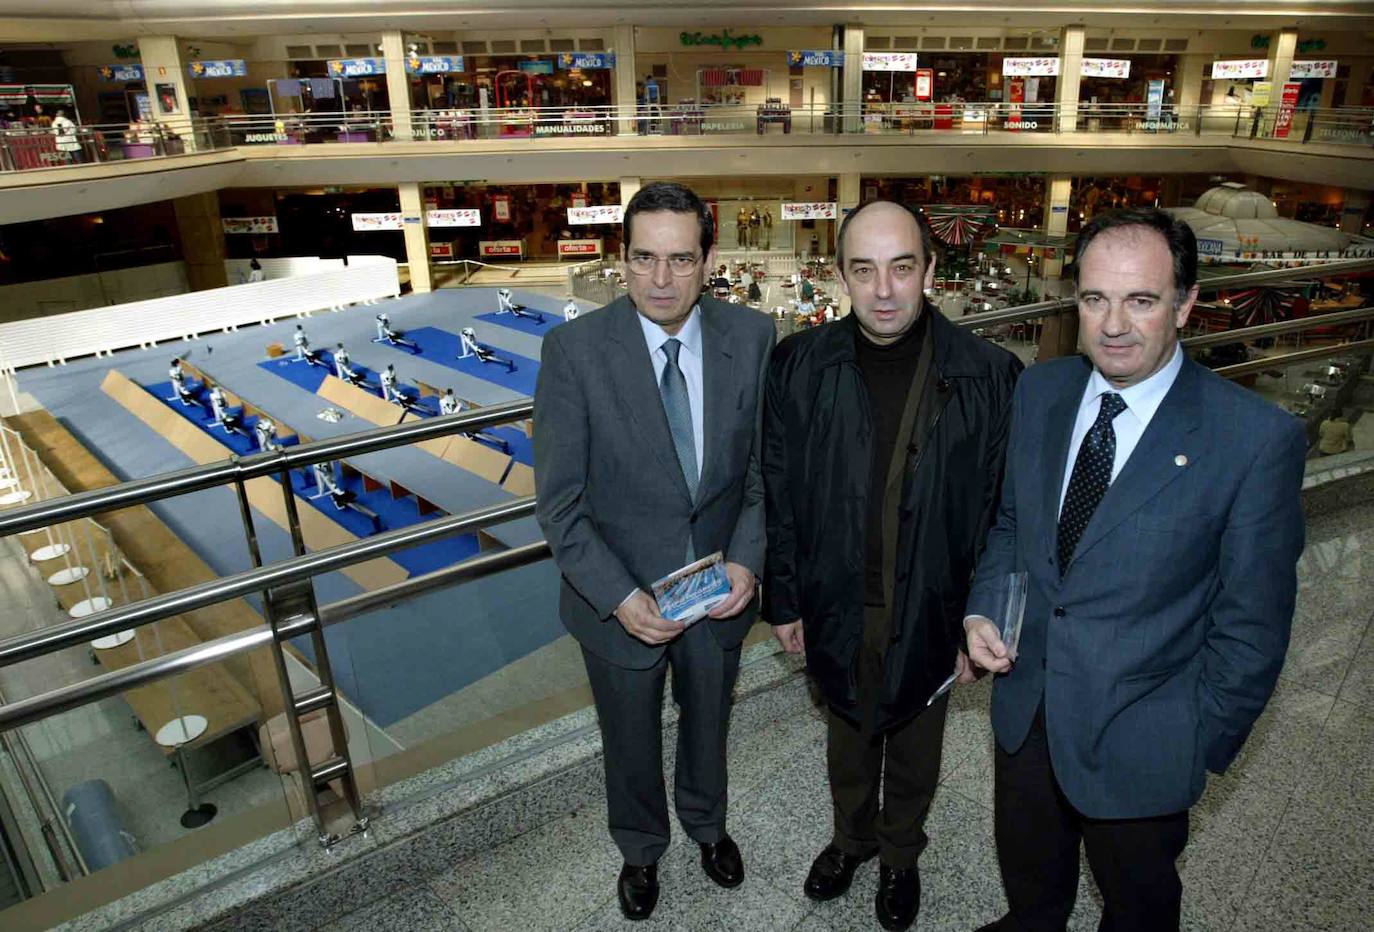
[{"x": 686, "y": 595}]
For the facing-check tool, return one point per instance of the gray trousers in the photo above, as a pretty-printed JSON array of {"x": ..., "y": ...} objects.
[{"x": 629, "y": 706}]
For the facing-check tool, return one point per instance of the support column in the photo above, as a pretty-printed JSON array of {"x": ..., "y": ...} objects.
[
  {"x": 398, "y": 93},
  {"x": 162, "y": 68},
  {"x": 853, "y": 78},
  {"x": 1282, "y": 46},
  {"x": 416, "y": 234},
  {"x": 1188, "y": 87},
  {"x": 849, "y": 189},
  {"x": 626, "y": 73},
  {"x": 1070, "y": 77},
  {"x": 202, "y": 240},
  {"x": 629, "y": 187},
  {"x": 1353, "y": 211},
  {"x": 1171, "y": 193},
  {"x": 1360, "y": 72},
  {"x": 1058, "y": 189}
]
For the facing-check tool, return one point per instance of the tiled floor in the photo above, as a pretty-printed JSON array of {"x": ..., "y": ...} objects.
[{"x": 1279, "y": 843}]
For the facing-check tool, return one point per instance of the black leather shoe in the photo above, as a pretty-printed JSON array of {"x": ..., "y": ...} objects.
[
  {"x": 831, "y": 874},
  {"x": 637, "y": 889},
  {"x": 722, "y": 862},
  {"x": 899, "y": 897}
]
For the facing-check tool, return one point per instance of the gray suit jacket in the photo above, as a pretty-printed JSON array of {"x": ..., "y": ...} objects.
[
  {"x": 612, "y": 500},
  {"x": 1162, "y": 643}
]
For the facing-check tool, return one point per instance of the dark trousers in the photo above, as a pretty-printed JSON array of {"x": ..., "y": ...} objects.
[
  {"x": 1038, "y": 832},
  {"x": 904, "y": 762},
  {"x": 629, "y": 706}
]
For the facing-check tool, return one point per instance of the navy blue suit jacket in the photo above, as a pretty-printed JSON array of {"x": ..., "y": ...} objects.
[{"x": 1163, "y": 641}]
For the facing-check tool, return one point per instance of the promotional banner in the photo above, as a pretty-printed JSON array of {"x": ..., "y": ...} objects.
[
  {"x": 1105, "y": 68},
  {"x": 227, "y": 68},
  {"x": 579, "y": 248},
  {"x": 434, "y": 64},
  {"x": 587, "y": 61},
  {"x": 441, "y": 251},
  {"x": 605, "y": 213},
  {"x": 368, "y": 223},
  {"x": 121, "y": 72},
  {"x": 1287, "y": 104},
  {"x": 815, "y": 58},
  {"x": 453, "y": 218},
  {"x": 1240, "y": 70},
  {"x": 356, "y": 67},
  {"x": 1313, "y": 69},
  {"x": 1025, "y": 67},
  {"x": 1154, "y": 100},
  {"x": 501, "y": 248},
  {"x": 248, "y": 224},
  {"x": 889, "y": 61},
  {"x": 1260, "y": 92},
  {"x": 823, "y": 210},
  {"x": 925, "y": 83},
  {"x": 500, "y": 207}
]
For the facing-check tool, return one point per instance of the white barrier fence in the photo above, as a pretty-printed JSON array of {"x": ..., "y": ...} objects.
[{"x": 101, "y": 331}]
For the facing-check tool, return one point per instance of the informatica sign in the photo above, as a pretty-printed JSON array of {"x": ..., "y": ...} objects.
[
  {"x": 123, "y": 73},
  {"x": 1312, "y": 69},
  {"x": 1240, "y": 70},
  {"x": 453, "y": 218},
  {"x": 889, "y": 61},
  {"x": 434, "y": 64},
  {"x": 225, "y": 68},
  {"x": 586, "y": 61},
  {"x": 1105, "y": 68},
  {"x": 606, "y": 213},
  {"x": 1030, "y": 67},
  {"x": 356, "y": 67},
  {"x": 813, "y": 211},
  {"x": 816, "y": 58}
]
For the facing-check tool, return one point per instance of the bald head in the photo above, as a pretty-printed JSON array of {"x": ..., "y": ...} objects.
[{"x": 890, "y": 216}]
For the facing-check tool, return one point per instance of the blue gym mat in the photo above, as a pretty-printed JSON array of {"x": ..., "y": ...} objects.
[
  {"x": 524, "y": 325},
  {"x": 442, "y": 347}
]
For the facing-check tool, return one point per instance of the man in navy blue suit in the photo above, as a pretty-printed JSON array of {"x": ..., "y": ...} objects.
[{"x": 1154, "y": 507}]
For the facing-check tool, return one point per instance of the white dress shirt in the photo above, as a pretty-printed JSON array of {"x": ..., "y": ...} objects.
[
  {"x": 689, "y": 361},
  {"x": 1142, "y": 401}
]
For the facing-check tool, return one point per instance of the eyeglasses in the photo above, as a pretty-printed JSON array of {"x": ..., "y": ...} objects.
[{"x": 679, "y": 265}]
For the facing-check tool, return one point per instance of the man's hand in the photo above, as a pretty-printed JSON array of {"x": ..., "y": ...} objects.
[
  {"x": 790, "y": 636},
  {"x": 967, "y": 672},
  {"x": 640, "y": 618},
  {"x": 985, "y": 647},
  {"x": 741, "y": 591}
]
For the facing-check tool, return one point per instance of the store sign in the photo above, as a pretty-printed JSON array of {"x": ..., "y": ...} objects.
[
  {"x": 1313, "y": 69},
  {"x": 889, "y": 61},
  {"x": 356, "y": 67},
  {"x": 579, "y": 247},
  {"x": 434, "y": 64},
  {"x": 536, "y": 66},
  {"x": 124, "y": 73},
  {"x": 367, "y": 223},
  {"x": 592, "y": 126},
  {"x": 587, "y": 61},
  {"x": 1105, "y": 68},
  {"x": 722, "y": 39},
  {"x": 227, "y": 68},
  {"x": 1028, "y": 67},
  {"x": 1209, "y": 247},
  {"x": 501, "y": 248},
  {"x": 825, "y": 210},
  {"x": 248, "y": 224},
  {"x": 605, "y": 213},
  {"x": 453, "y": 218},
  {"x": 1239, "y": 70},
  {"x": 816, "y": 58}
]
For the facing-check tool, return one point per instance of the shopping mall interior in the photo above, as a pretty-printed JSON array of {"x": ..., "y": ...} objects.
[{"x": 254, "y": 255}]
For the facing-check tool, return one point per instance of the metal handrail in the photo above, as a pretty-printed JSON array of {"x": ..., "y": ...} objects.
[
  {"x": 241, "y": 469},
  {"x": 1274, "y": 362},
  {"x": 1241, "y": 334}
]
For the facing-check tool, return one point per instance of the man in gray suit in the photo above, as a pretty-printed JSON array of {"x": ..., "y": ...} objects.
[
  {"x": 1154, "y": 507},
  {"x": 646, "y": 450}
]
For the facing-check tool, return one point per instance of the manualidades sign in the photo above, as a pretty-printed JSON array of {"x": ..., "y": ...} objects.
[{"x": 722, "y": 39}]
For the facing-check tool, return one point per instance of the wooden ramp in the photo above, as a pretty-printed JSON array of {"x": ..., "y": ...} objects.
[
  {"x": 264, "y": 494},
  {"x": 475, "y": 457}
]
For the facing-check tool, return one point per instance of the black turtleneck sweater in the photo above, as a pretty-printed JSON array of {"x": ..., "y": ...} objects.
[{"x": 887, "y": 373}]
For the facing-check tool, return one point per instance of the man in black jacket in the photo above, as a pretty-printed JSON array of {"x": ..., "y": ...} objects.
[{"x": 884, "y": 436}]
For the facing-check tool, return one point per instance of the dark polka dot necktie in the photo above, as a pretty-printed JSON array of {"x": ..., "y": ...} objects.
[{"x": 1092, "y": 473}]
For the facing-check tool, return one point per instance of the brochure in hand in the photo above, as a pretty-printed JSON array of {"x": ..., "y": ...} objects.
[{"x": 686, "y": 595}]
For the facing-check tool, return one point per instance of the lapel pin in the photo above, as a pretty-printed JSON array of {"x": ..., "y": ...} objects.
[{"x": 1180, "y": 460}]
